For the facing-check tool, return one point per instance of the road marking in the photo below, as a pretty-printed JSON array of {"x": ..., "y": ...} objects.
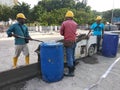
[{"x": 104, "y": 75}]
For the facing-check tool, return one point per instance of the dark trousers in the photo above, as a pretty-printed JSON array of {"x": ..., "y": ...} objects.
[{"x": 99, "y": 37}]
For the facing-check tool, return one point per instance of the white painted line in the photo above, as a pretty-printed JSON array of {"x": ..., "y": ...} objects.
[{"x": 104, "y": 75}]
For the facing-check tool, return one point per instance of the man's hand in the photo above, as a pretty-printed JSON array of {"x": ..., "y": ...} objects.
[
  {"x": 102, "y": 36},
  {"x": 29, "y": 38},
  {"x": 14, "y": 35}
]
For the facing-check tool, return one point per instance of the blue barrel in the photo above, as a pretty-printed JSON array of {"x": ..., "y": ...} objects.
[
  {"x": 52, "y": 61},
  {"x": 110, "y": 45}
]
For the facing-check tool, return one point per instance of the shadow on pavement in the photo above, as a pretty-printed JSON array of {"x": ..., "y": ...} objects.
[{"x": 90, "y": 60}]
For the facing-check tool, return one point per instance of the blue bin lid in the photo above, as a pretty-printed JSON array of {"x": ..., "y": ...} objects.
[
  {"x": 51, "y": 44},
  {"x": 111, "y": 33}
]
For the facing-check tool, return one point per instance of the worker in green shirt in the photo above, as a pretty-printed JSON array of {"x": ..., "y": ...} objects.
[{"x": 18, "y": 30}]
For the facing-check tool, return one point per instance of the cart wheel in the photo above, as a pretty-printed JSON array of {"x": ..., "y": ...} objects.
[{"x": 91, "y": 50}]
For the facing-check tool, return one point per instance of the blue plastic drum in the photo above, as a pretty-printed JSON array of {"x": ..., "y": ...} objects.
[
  {"x": 52, "y": 61},
  {"x": 110, "y": 45}
]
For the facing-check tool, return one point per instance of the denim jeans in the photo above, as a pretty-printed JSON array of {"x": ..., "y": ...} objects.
[{"x": 70, "y": 55}]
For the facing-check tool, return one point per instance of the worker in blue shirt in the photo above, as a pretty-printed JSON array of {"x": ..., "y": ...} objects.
[
  {"x": 18, "y": 30},
  {"x": 97, "y": 29}
]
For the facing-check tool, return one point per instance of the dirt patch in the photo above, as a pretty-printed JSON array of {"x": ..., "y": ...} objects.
[{"x": 90, "y": 60}]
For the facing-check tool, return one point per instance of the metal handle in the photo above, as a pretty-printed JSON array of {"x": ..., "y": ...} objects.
[{"x": 30, "y": 39}]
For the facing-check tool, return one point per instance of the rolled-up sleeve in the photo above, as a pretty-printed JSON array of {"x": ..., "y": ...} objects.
[
  {"x": 10, "y": 30},
  {"x": 62, "y": 29},
  {"x": 92, "y": 27},
  {"x": 27, "y": 33}
]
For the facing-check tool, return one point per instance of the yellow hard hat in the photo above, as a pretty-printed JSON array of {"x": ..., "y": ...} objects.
[
  {"x": 99, "y": 18},
  {"x": 20, "y": 15},
  {"x": 69, "y": 14}
]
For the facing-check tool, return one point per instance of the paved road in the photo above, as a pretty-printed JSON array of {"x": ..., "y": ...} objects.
[{"x": 87, "y": 72}]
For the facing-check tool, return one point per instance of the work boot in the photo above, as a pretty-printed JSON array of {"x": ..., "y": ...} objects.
[
  {"x": 15, "y": 59},
  {"x": 75, "y": 63},
  {"x": 27, "y": 60},
  {"x": 71, "y": 72}
]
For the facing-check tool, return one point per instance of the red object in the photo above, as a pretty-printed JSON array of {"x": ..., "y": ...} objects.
[{"x": 68, "y": 30}]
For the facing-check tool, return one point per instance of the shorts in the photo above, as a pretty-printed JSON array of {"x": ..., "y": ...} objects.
[{"x": 21, "y": 48}]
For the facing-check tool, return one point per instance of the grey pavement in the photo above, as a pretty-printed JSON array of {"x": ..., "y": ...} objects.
[{"x": 86, "y": 73}]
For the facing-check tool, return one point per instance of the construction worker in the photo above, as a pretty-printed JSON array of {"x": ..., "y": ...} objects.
[
  {"x": 68, "y": 30},
  {"x": 18, "y": 30},
  {"x": 97, "y": 29}
]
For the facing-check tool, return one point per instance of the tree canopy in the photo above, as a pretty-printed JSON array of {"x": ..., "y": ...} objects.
[{"x": 52, "y": 12}]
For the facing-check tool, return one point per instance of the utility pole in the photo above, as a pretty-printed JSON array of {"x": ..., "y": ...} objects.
[{"x": 112, "y": 13}]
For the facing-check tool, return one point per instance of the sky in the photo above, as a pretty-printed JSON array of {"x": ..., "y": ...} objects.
[
  {"x": 31, "y": 2},
  {"x": 103, "y": 5},
  {"x": 98, "y": 5}
]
